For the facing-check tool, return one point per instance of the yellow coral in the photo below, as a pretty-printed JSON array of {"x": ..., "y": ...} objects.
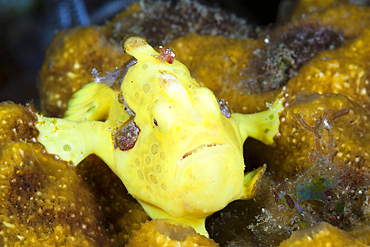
[
  {"x": 44, "y": 201},
  {"x": 17, "y": 123},
  {"x": 294, "y": 147},
  {"x": 344, "y": 70},
  {"x": 168, "y": 233},
  {"x": 322, "y": 234},
  {"x": 309, "y": 6},
  {"x": 346, "y": 18},
  {"x": 120, "y": 212}
]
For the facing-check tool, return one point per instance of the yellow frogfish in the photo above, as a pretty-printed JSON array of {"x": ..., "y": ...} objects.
[{"x": 175, "y": 146}]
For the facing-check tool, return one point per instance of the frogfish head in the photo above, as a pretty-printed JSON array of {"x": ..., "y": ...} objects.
[{"x": 188, "y": 156}]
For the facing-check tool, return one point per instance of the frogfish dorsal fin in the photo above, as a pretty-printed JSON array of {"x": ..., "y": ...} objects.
[{"x": 91, "y": 102}]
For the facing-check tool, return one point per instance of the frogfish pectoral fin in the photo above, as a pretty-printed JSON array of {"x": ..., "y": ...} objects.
[
  {"x": 250, "y": 181},
  {"x": 262, "y": 126},
  {"x": 74, "y": 141}
]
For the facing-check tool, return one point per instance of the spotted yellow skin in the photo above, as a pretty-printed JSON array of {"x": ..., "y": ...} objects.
[{"x": 187, "y": 161}]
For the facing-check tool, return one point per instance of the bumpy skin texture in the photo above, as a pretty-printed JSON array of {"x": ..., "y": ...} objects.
[
  {"x": 185, "y": 150},
  {"x": 168, "y": 233},
  {"x": 217, "y": 63}
]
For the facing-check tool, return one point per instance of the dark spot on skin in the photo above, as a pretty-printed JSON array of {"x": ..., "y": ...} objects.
[{"x": 126, "y": 135}]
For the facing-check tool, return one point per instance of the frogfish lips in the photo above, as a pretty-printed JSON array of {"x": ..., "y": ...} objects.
[
  {"x": 201, "y": 157},
  {"x": 198, "y": 149},
  {"x": 209, "y": 174}
]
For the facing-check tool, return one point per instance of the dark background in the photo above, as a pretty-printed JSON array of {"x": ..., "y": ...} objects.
[{"x": 27, "y": 26}]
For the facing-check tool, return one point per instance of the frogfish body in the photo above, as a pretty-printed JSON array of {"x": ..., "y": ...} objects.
[{"x": 177, "y": 149}]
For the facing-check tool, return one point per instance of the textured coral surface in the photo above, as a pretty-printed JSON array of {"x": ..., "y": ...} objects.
[
  {"x": 167, "y": 233},
  {"x": 42, "y": 199},
  {"x": 120, "y": 211},
  {"x": 17, "y": 123},
  {"x": 319, "y": 171},
  {"x": 295, "y": 147},
  {"x": 323, "y": 234}
]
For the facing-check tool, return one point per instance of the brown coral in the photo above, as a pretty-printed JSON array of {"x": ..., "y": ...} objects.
[
  {"x": 17, "y": 123},
  {"x": 348, "y": 18},
  {"x": 44, "y": 201},
  {"x": 160, "y": 21},
  {"x": 167, "y": 233},
  {"x": 344, "y": 70},
  {"x": 323, "y": 234},
  {"x": 120, "y": 211}
]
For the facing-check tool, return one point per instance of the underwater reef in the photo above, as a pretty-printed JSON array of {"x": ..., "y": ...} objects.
[{"x": 316, "y": 189}]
